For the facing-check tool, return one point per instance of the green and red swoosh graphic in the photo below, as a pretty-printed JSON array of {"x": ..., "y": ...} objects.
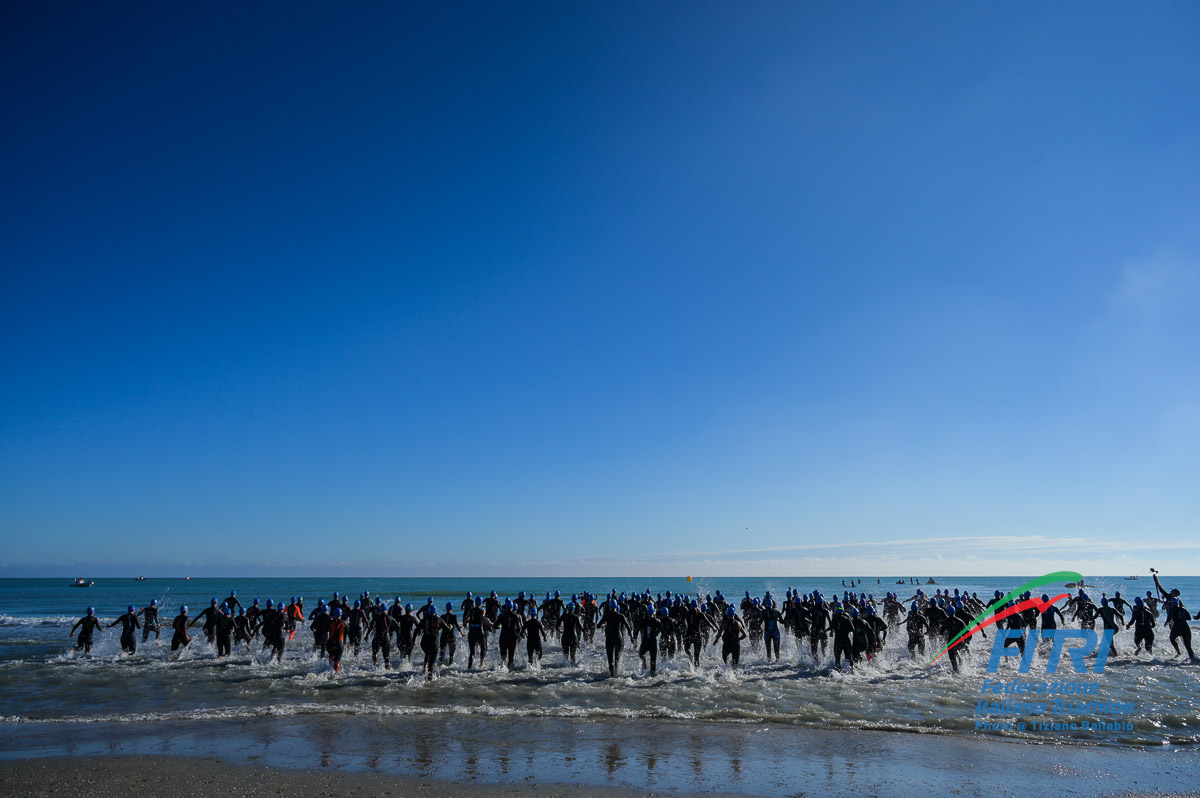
[{"x": 982, "y": 621}]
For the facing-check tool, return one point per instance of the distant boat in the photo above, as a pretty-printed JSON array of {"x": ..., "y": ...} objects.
[
  {"x": 1080, "y": 583},
  {"x": 901, "y": 582},
  {"x": 81, "y": 582},
  {"x": 141, "y": 579},
  {"x": 931, "y": 582},
  {"x": 1130, "y": 577}
]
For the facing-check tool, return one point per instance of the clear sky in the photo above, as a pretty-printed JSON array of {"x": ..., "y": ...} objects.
[{"x": 600, "y": 288}]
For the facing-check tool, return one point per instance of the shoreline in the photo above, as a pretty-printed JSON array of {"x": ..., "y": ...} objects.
[{"x": 542, "y": 757}]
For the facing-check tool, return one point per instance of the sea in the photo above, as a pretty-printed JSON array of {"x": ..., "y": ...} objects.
[{"x": 44, "y": 681}]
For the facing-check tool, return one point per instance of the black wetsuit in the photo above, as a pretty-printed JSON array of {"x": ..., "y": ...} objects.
[
  {"x": 274, "y": 626},
  {"x": 242, "y": 629},
  {"x": 1143, "y": 628},
  {"x": 771, "y": 619},
  {"x": 511, "y": 626},
  {"x": 406, "y": 638},
  {"x": 570, "y": 630},
  {"x": 650, "y": 629},
  {"x": 843, "y": 638},
  {"x": 917, "y": 625},
  {"x": 478, "y": 627},
  {"x": 223, "y": 632},
  {"x": 955, "y": 624},
  {"x": 150, "y": 618},
  {"x": 382, "y": 626},
  {"x": 209, "y": 616},
  {"x": 86, "y": 626},
  {"x": 879, "y": 630},
  {"x": 129, "y": 626},
  {"x": 731, "y": 634},
  {"x": 819, "y": 624},
  {"x": 356, "y": 622},
  {"x": 180, "y": 626},
  {"x": 695, "y": 634},
  {"x": 430, "y": 626},
  {"x": 616, "y": 626},
  {"x": 449, "y": 640},
  {"x": 1108, "y": 615},
  {"x": 535, "y": 633},
  {"x": 319, "y": 624}
]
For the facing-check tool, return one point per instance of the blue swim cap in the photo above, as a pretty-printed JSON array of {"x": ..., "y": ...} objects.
[
  {"x": 755, "y": 601},
  {"x": 612, "y": 604},
  {"x": 430, "y": 601},
  {"x": 320, "y": 602},
  {"x": 270, "y": 604},
  {"x": 853, "y": 612},
  {"x": 293, "y": 599},
  {"x": 950, "y": 610},
  {"x": 1104, "y": 602},
  {"x": 357, "y": 604},
  {"x": 408, "y": 607},
  {"x": 241, "y": 611},
  {"x": 478, "y": 601},
  {"x": 183, "y": 609},
  {"x": 508, "y": 604},
  {"x": 664, "y": 612},
  {"x": 913, "y": 608},
  {"x": 256, "y": 602},
  {"x": 214, "y": 600},
  {"x": 91, "y": 611},
  {"x": 695, "y": 603},
  {"x": 337, "y": 612},
  {"x": 131, "y": 608},
  {"x": 521, "y": 594},
  {"x": 998, "y": 593},
  {"x": 574, "y": 597},
  {"x": 233, "y": 592},
  {"x": 571, "y": 606},
  {"x": 1137, "y": 600},
  {"x": 533, "y": 612},
  {"x": 224, "y": 609},
  {"x": 556, "y": 594},
  {"x": 153, "y": 602},
  {"x": 449, "y": 607},
  {"x": 1045, "y": 597}
]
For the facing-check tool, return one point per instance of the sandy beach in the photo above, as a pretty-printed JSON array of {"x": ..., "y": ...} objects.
[{"x": 543, "y": 757}]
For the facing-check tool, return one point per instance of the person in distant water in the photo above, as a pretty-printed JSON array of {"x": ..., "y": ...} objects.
[
  {"x": 129, "y": 625},
  {"x": 231, "y": 601},
  {"x": 209, "y": 616},
  {"x": 448, "y": 643},
  {"x": 150, "y": 618},
  {"x": 1177, "y": 617},
  {"x": 223, "y": 631},
  {"x": 180, "y": 626},
  {"x": 274, "y": 624},
  {"x": 511, "y": 628},
  {"x": 336, "y": 636},
  {"x": 535, "y": 633},
  {"x": 1142, "y": 621},
  {"x": 86, "y": 626},
  {"x": 381, "y": 629},
  {"x": 731, "y": 633},
  {"x": 570, "y": 629},
  {"x": 615, "y": 626}
]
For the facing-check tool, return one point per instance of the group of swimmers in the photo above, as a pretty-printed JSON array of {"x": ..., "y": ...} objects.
[{"x": 663, "y": 626}]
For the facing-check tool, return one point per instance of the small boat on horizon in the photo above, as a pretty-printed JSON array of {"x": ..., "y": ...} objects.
[
  {"x": 81, "y": 582},
  {"x": 1129, "y": 578}
]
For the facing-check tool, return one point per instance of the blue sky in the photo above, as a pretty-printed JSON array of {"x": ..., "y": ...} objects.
[{"x": 600, "y": 288}]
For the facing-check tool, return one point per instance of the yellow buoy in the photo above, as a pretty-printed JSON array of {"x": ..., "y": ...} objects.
[{"x": 689, "y": 579}]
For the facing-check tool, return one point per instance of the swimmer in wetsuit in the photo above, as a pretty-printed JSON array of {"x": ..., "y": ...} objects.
[
  {"x": 570, "y": 629},
  {"x": 650, "y": 629},
  {"x": 381, "y": 629},
  {"x": 615, "y": 626},
  {"x": 129, "y": 626},
  {"x": 478, "y": 627},
  {"x": 1177, "y": 617},
  {"x": 448, "y": 642},
  {"x": 209, "y": 616},
  {"x": 731, "y": 633},
  {"x": 511, "y": 628},
  {"x": 86, "y": 626},
  {"x": 150, "y": 620},
  {"x": 1142, "y": 621},
  {"x": 430, "y": 627},
  {"x": 274, "y": 628},
  {"x": 180, "y": 627},
  {"x": 335, "y": 639}
]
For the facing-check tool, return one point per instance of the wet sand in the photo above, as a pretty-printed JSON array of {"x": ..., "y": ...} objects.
[{"x": 477, "y": 756}]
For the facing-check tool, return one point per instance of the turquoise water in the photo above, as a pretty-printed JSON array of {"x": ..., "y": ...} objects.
[{"x": 42, "y": 679}]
